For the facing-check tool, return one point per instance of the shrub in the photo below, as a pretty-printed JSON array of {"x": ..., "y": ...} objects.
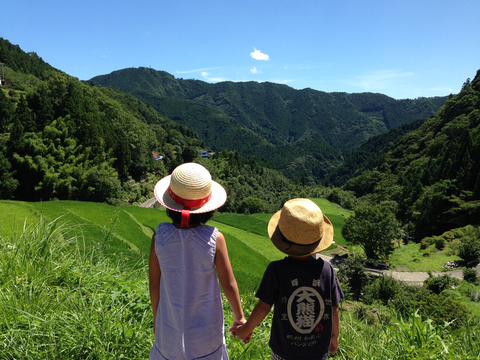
[
  {"x": 439, "y": 243},
  {"x": 353, "y": 277},
  {"x": 437, "y": 284},
  {"x": 424, "y": 244},
  {"x": 475, "y": 295},
  {"x": 363, "y": 313},
  {"x": 383, "y": 289},
  {"x": 470, "y": 275},
  {"x": 346, "y": 199},
  {"x": 442, "y": 308},
  {"x": 448, "y": 236},
  {"x": 439, "y": 308},
  {"x": 251, "y": 205},
  {"x": 469, "y": 251}
]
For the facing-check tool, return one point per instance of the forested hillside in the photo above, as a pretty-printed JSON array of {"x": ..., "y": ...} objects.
[
  {"x": 304, "y": 133},
  {"x": 63, "y": 139},
  {"x": 370, "y": 154},
  {"x": 60, "y": 138},
  {"x": 432, "y": 173}
]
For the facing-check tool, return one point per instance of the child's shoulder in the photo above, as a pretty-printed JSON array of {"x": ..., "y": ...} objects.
[{"x": 164, "y": 225}]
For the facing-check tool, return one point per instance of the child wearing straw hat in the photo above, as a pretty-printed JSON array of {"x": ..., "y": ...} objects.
[
  {"x": 185, "y": 258},
  {"x": 304, "y": 290}
]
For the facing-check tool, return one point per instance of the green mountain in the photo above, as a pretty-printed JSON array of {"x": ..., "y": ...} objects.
[
  {"x": 61, "y": 138},
  {"x": 433, "y": 172},
  {"x": 304, "y": 133},
  {"x": 369, "y": 155}
]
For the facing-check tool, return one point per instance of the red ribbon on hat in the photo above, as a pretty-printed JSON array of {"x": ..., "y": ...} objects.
[{"x": 187, "y": 205}]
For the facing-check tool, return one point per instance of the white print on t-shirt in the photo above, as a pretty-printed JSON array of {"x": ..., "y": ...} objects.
[{"x": 305, "y": 309}]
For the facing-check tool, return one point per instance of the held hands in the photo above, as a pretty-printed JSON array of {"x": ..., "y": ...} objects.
[
  {"x": 241, "y": 333},
  {"x": 239, "y": 330}
]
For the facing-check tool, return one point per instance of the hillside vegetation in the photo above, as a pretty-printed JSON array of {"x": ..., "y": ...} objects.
[
  {"x": 77, "y": 287},
  {"x": 432, "y": 173},
  {"x": 60, "y": 138},
  {"x": 302, "y": 132},
  {"x": 63, "y": 139}
]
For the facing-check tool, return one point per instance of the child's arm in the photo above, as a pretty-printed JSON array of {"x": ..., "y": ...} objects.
[
  {"x": 335, "y": 329},
  {"x": 227, "y": 280},
  {"x": 256, "y": 317},
  {"x": 154, "y": 274}
]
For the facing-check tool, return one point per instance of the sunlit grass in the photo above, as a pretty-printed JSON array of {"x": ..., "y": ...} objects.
[
  {"x": 412, "y": 258},
  {"x": 63, "y": 297},
  {"x": 61, "y": 300}
]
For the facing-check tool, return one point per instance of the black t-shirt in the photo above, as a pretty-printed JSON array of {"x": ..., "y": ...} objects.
[{"x": 303, "y": 293}]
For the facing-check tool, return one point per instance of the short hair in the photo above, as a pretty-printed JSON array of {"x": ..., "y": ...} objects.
[{"x": 194, "y": 219}]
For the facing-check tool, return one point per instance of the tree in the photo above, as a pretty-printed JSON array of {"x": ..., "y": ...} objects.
[
  {"x": 251, "y": 205},
  {"x": 469, "y": 251},
  {"x": 353, "y": 277},
  {"x": 374, "y": 228},
  {"x": 8, "y": 183}
]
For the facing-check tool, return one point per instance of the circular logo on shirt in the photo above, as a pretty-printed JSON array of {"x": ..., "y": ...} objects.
[{"x": 305, "y": 309}]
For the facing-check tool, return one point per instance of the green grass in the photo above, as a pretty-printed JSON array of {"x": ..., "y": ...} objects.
[
  {"x": 257, "y": 223},
  {"x": 336, "y": 215},
  {"x": 62, "y": 300},
  {"x": 72, "y": 288},
  {"x": 124, "y": 228},
  {"x": 411, "y": 258}
]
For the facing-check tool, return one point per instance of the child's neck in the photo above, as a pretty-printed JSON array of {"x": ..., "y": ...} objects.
[
  {"x": 302, "y": 258},
  {"x": 185, "y": 227}
]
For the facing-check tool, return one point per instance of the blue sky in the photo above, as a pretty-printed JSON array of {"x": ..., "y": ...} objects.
[{"x": 401, "y": 48}]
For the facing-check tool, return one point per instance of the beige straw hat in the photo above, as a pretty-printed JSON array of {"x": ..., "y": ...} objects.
[
  {"x": 300, "y": 228},
  {"x": 190, "y": 186}
]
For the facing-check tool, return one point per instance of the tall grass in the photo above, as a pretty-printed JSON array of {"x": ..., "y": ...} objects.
[
  {"x": 405, "y": 339},
  {"x": 62, "y": 297},
  {"x": 59, "y": 300}
]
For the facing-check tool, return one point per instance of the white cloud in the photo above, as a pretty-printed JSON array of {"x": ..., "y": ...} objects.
[
  {"x": 255, "y": 71},
  {"x": 258, "y": 55},
  {"x": 207, "y": 76}
]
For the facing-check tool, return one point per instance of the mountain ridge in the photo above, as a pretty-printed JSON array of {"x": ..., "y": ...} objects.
[{"x": 273, "y": 122}]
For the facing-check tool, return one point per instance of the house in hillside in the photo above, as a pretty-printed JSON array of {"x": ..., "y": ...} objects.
[{"x": 206, "y": 154}]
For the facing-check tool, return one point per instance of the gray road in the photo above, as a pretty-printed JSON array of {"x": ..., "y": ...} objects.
[
  {"x": 149, "y": 203},
  {"x": 408, "y": 277}
]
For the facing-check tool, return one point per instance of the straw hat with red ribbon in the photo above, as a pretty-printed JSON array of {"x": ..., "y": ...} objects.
[
  {"x": 300, "y": 228},
  {"x": 190, "y": 190}
]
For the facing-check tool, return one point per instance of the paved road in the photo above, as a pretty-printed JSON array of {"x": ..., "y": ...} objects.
[
  {"x": 408, "y": 277},
  {"x": 149, "y": 203}
]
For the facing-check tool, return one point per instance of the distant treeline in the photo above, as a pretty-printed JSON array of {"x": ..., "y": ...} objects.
[
  {"x": 431, "y": 173},
  {"x": 61, "y": 138},
  {"x": 303, "y": 133}
]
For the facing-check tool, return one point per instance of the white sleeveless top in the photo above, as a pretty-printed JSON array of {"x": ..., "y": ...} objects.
[{"x": 189, "y": 321}]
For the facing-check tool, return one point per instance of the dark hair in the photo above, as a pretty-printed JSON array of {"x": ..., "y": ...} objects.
[{"x": 195, "y": 219}]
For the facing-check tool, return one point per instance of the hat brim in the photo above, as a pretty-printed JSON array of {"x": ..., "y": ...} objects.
[
  {"x": 218, "y": 198},
  {"x": 297, "y": 250}
]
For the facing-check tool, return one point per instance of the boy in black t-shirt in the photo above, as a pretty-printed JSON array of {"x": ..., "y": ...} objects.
[{"x": 304, "y": 290}]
